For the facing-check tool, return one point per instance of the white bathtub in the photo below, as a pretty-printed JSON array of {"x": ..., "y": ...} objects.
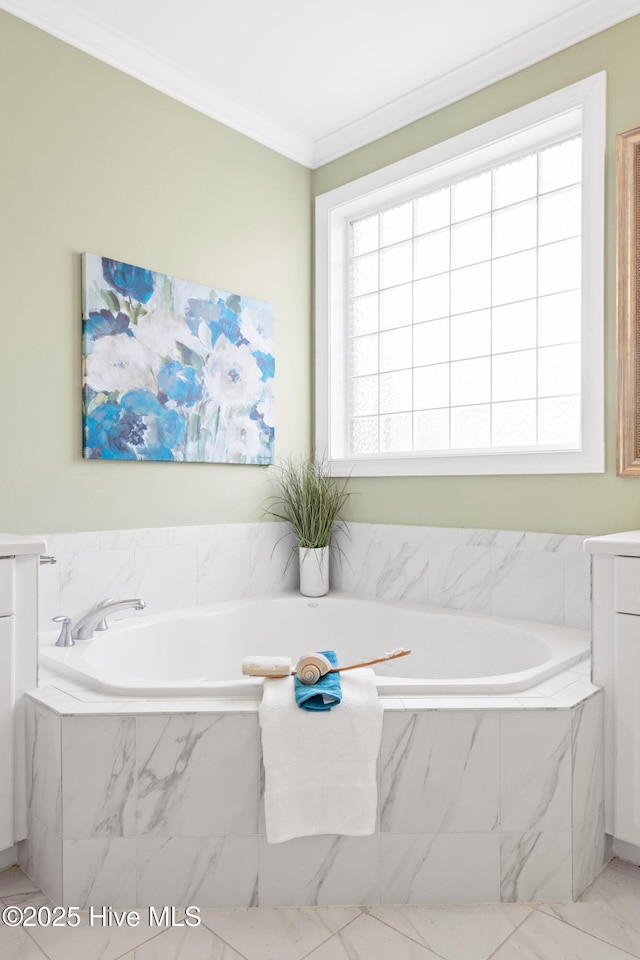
[{"x": 199, "y": 652}]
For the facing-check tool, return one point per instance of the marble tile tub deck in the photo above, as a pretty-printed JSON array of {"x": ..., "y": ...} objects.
[
  {"x": 67, "y": 697},
  {"x": 602, "y": 925},
  {"x": 494, "y": 799}
]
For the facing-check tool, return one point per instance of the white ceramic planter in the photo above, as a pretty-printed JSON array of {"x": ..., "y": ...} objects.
[{"x": 314, "y": 571}]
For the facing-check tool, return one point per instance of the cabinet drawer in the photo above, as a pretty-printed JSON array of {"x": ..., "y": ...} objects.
[
  {"x": 627, "y": 585},
  {"x": 7, "y": 592}
]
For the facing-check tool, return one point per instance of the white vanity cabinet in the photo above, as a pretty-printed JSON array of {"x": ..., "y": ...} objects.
[
  {"x": 627, "y": 698},
  {"x": 7, "y": 604},
  {"x": 616, "y": 668},
  {"x": 18, "y": 673},
  {"x": 627, "y": 728}
]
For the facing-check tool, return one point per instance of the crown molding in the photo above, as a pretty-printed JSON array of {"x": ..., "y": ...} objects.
[
  {"x": 84, "y": 32},
  {"x": 556, "y": 34},
  {"x": 114, "y": 48}
]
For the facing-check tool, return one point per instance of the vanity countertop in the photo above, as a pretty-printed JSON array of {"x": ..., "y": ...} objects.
[
  {"x": 625, "y": 544},
  {"x": 15, "y": 545}
]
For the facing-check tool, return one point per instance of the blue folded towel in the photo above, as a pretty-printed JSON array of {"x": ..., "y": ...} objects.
[{"x": 324, "y": 694}]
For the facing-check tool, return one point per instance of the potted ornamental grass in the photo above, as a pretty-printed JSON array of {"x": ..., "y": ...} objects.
[{"x": 312, "y": 501}]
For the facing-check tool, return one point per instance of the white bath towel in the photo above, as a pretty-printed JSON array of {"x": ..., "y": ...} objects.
[{"x": 320, "y": 767}]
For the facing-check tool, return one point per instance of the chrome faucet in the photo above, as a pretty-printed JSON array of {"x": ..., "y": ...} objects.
[{"x": 96, "y": 619}]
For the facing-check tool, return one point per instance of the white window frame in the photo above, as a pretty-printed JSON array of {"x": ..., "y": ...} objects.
[{"x": 334, "y": 211}]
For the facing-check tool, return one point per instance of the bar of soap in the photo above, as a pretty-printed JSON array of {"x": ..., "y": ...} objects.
[{"x": 266, "y": 666}]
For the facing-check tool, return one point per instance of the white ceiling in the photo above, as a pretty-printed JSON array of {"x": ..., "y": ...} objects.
[{"x": 315, "y": 79}]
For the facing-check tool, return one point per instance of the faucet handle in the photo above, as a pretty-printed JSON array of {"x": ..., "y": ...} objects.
[
  {"x": 65, "y": 639},
  {"x": 103, "y": 625}
]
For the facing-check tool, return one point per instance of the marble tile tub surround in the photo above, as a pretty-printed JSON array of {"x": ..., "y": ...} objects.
[
  {"x": 172, "y": 811},
  {"x": 530, "y": 576},
  {"x": 169, "y": 567}
]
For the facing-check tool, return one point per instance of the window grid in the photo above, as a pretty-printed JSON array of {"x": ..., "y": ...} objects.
[{"x": 412, "y": 321}]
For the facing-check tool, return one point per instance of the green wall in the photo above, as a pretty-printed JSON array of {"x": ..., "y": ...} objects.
[
  {"x": 589, "y": 503},
  {"x": 94, "y": 160}
]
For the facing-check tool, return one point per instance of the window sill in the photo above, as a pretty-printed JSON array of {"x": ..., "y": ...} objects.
[{"x": 463, "y": 464}]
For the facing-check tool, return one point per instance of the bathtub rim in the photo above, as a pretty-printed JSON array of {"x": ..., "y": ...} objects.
[{"x": 576, "y": 644}]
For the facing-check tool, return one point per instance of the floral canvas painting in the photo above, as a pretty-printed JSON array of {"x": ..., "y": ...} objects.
[{"x": 174, "y": 370}]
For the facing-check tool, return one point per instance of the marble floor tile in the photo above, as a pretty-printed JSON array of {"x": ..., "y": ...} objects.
[
  {"x": 368, "y": 939},
  {"x": 609, "y": 908},
  {"x": 92, "y": 942},
  {"x": 16, "y": 944},
  {"x": 542, "y": 937},
  {"x": 603, "y": 925},
  {"x": 286, "y": 934},
  {"x": 185, "y": 943},
  {"x": 13, "y": 881},
  {"x": 471, "y": 932},
  {"x": 33, "y": 898}
]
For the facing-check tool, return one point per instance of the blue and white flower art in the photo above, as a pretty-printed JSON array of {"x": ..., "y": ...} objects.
[{"x": 174, "y": 370}]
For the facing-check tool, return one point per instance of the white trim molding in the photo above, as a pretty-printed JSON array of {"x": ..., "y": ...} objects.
[
  {"x": 579, "y": 108},
  {"x": 83, "y": 31},
  {"x": 114, "y": 48},
  {"x": 581, "y": 22}
]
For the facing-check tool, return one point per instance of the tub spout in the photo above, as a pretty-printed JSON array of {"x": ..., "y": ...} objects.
[{"x": 93, "y": 620}]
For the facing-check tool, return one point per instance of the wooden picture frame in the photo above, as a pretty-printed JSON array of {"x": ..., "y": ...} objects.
[{"x": 628, "y": 302}]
